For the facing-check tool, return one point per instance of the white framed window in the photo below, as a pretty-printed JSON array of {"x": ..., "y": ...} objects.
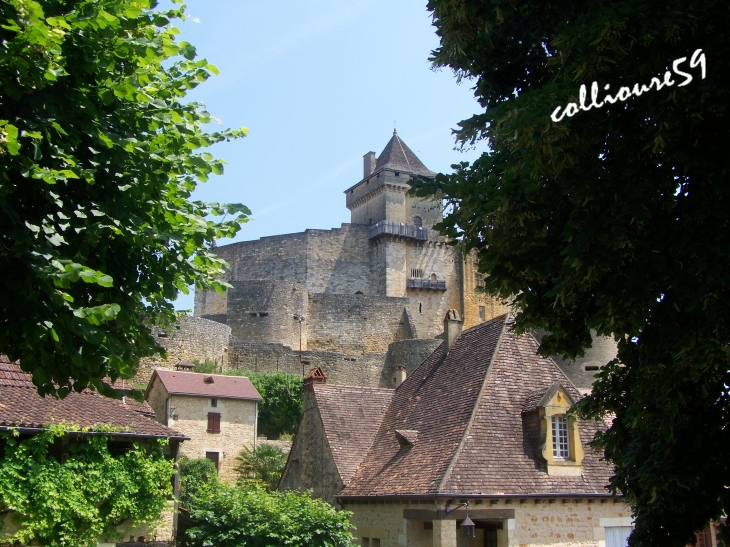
[
  {"x": 561, "y": 449},
  {"x": 618, "y": 536}
]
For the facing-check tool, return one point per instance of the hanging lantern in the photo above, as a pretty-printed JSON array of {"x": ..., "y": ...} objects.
[{"x": 468, "y": 530}]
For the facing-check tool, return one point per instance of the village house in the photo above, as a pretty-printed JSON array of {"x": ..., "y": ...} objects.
[
  {"x": 481, "y": 426},
  {"x": 23, "y": 410},
  {"x": 219, "y": 414}
]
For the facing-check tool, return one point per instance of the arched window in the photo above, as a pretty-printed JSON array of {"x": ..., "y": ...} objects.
[
  {"x": 417, "y": 222},
  {"x": 433, "y": 277}
]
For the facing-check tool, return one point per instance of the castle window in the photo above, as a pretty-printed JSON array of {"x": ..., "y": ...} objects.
[
  {"x": 433, "y": 277},
  {"x": 397, "y": 174},
  {"x": 417, "y": 222},
  {"x": 561, "y": 450},
  {"x": 478, "y": 280},
  {"x": 481, "y": 313},
  {"x": 416, "y": 272}
]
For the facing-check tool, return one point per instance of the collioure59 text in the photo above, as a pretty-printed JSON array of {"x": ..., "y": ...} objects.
[{"x": 698, "y": 58}]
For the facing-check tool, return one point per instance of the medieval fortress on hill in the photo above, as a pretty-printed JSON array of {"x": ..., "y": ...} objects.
[{"x": 365, "y": 302}]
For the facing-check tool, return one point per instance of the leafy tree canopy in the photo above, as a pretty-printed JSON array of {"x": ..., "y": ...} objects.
[
  {"x": 281, "y": 407},
  {"x": 195, "y": 476},
  {"x": 98, "y": 158},
  {"x": 613, "y": 219},
  {"x": 264, "y": 463},
  {"x": 74, "y": 500},
  {"x": 229, "y": 516}
]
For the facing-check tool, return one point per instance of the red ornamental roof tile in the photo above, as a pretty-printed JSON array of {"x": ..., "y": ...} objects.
[
  {"x": 473, "y": 438},
  {"x": 22, "y": 407},
  {"x": 205, "y": 385},
  {"x": 350, "y": 417}
]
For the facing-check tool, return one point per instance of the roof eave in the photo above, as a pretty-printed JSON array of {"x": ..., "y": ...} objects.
[
  {"x": 97, "y": 433},
  {"x": 446, "y": 495},
  {"x": 214, "y": 395}
]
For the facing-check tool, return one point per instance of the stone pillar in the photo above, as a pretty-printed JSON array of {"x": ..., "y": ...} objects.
[{"x": 444, "y": 533}]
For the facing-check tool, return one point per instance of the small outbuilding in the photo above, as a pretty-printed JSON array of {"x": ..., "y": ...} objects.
[{"x": 219, "y": 413}]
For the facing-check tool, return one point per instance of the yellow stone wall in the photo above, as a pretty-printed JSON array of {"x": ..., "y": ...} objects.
[
  {"x": 238, "y": 429},
  {"x": 473, "y": 298},
  {"x": 554, "y": 522}
]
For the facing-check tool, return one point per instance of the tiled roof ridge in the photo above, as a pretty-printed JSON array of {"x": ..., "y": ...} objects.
[
  {"x": 467, "y": 429},
  {"x": 568, "y": 383}
]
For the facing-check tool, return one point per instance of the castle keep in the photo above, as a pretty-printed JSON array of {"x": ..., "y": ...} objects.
[{"x": 360, "y": 300}]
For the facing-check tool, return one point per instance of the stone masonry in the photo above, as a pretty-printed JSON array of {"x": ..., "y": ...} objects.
[{"x": 346, "y": 296}]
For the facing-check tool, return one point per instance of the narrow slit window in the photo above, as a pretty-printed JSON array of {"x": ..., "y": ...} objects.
[{"x": 561, "y": 450}]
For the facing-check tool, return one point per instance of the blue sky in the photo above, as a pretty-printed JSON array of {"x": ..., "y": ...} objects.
[{"x": 318, "y": 84}]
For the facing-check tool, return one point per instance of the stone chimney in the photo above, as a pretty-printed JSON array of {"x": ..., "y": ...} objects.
[
  {"x": 400, "y": 375},
  {"x": 452, "y": 328},
  {"x": 315, "y": 376},
  {"x": 368, "y": 164}
]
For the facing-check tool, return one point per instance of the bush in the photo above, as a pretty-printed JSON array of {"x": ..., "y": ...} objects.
[
  {"x": 196, "y": 476},
  {"x": 265, "y": 463},
  {"x": 282, "y": 401},
  {"x": 230, "y": 516},
  {"x": 206, "y": 367}
]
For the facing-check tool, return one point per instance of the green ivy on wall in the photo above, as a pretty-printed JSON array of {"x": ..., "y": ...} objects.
[{"x": 71, "y": 493}]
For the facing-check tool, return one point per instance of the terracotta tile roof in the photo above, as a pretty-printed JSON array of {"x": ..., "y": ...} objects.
[
  {"x": 12, "y": 376},
  {"x": 21, "y": 406},
  {"x": 205, "y": 385},
  {"x": 350, "y": 417},
  {"x": 397, "y": 156},
  {"x": 473, "y": 437}
]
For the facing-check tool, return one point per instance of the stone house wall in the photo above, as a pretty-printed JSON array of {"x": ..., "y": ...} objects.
[
  {"x": 473, "y": 298},
  {"x": 189, "y": 415},
  {"x": 238, "y": 429},
  {"x": 559, "y": 522},
  {"x": 310, "y": 464},
  {"x": 191, "y": 338}
]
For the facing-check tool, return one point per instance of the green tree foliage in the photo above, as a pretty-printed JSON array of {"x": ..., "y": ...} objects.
[
  {"x": 614, "y": 219},
  {"x": 230, "y": 516},
  {"x": 98, "y": 158},
  {"x": 73, "y": 500},
  {"x": 281, "y": 407},
  {"x": 196, "y": 475},
  {"x": 265, "y": 463},
  {"x": 206, "y": 367}
]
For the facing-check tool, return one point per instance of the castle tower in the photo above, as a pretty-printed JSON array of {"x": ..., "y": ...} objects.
[
  {"x": 412, "y": 259},
  {"x": 382, "y": 194}
]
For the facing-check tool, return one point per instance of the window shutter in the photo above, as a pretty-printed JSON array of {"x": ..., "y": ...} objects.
[{"x": 214, "y": 422}]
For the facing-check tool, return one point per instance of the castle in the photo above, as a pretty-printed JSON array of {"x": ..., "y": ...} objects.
[
  {"x": 365, "y": 302},
  {"x": 359, "y": 300}
]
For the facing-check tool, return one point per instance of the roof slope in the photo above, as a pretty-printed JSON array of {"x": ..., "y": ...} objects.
[
  {"x": 472, "y": 435},
  {"x": 350, "y": 417},
  {"x": 397, "y": 156},
  {"x": 21, "y": 406},
  {"x": 191, "y": 383},
  {"x": 436, "y": 400}
]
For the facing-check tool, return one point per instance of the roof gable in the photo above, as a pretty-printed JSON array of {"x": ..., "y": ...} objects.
[
  {"x": 205, "y": 385},
  {"x": 350, "y": 418}
]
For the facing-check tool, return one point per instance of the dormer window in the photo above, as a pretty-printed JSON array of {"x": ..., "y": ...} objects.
[
  {"x": 561, "y": 447},
  {"x": 559, "y": 440}
]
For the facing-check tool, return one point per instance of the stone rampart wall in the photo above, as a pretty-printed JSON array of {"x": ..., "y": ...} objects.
[
  {"x": 409, "y": 354},
  {"x": 265, "y": 311},
  {"x": 355, "y": 323},
  {"x": 340, "y": 368},
  {"x": 190, "y": 339}
]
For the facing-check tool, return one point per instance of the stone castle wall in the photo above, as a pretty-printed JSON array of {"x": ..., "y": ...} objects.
[
  {"x": 191, "y": 338},
  {"x": 263, "y": 311},
  {"x": 474, "y": 298},
  {"x": 366, "y": 369},
  {"x": 355, "y": 323}
]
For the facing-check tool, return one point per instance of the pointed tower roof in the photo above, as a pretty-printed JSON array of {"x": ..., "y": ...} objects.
[{"x": 397, "y": 156}]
